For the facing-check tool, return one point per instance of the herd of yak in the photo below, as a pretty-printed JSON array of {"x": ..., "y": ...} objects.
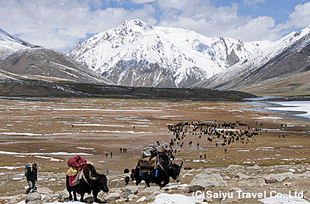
[
  {"x": 220, "y": 133},
  {"x": 157, "y": 163}
]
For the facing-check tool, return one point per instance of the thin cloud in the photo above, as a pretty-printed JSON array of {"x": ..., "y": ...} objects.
[
  {"x": 142, "y": 1},
  {"x": 225, "y": 21},
  {"x": 61, "y": 24},
  {"x": 252, "y": 2}
]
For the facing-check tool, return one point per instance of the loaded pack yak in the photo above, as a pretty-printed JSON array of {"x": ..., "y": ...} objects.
[
  {"x": 159, "y": 170},
  {"x": 90, "y": 181}
]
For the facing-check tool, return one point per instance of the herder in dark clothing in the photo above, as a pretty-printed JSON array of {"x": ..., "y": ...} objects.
[{"x": 31, "y": 176}]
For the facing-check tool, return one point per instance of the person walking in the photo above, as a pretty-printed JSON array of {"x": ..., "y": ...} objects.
[{"x": 31, "y": 176}]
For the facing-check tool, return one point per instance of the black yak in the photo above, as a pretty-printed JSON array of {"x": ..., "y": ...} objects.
[{"x": 90, "y": 181}]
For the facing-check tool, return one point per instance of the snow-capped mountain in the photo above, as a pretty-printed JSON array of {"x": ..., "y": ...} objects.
[
  {"x": 285, "y": 62},
  {"x": 138, "y": 54},
  {"x": 10, "y": 44}
]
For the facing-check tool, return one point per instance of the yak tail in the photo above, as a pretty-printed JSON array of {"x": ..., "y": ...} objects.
[{"x": 107, "y": 171}]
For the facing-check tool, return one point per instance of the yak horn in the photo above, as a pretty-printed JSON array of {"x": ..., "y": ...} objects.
[
  {"x": 107, "y": 171},
  {"x": 91, "y": 177}
]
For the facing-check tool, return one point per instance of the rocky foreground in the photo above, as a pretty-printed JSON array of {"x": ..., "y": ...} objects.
[{"x": 232, "y": 184}]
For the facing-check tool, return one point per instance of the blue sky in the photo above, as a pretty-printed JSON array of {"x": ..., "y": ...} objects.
[{"x": 60, "y": 24}]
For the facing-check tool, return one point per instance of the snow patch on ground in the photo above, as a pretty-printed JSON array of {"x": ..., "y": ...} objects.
[
  {"x": 285, "y": 199},
  {"x": 175, "y": 199}
]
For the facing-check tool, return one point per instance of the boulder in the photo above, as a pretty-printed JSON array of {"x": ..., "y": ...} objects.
[
  {"x": 12, "y": 199},
  {"x": 274, "y": 178},
  {"x": 259, "y": 182},
  {"x": 33, "y": 197},
  {"x": 63, "y": 195},
  {"x": 151, "y": 190},
  {"x": 35, "y": 202},
  {"x": 142, "y": 199},
  {"x": 132, "y": 189},
  {"x": 46, "y": 197},
  {"x": 44, "y": 190},
  {"x": 306, "y": 174},
  {"x": 115, "y": 190},
  {"x": 235, "y": 189},
  {"x": 241, "y": 176},
  {"x": 89, "y": 199},
  {"x": 112, "y": 197},
  {"x": 173, "y": 186},
  {"x": 234, "y": 167},
  {"x": 126, "y": 193},
  {"x": 132, "y": 196},
  {"x": 203, "y": 181},
  {"x": 226, "y": 178},
  {"x": 150, "y": 197}
]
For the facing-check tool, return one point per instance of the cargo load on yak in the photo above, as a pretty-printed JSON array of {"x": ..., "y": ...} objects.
[
  {"x": 74, "y": 172},
  {"x": 157, "y": 165},
  {"x": 153, "y": 150},
  {"x": 148, "y": 164}
]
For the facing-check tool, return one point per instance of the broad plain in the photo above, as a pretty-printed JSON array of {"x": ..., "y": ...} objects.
[{"x": 50, "y": 131}]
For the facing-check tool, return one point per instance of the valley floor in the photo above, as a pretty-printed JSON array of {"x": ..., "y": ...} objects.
[{"x": 50, "y": 131}]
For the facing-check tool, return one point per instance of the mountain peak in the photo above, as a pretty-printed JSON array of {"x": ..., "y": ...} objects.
[
  {"x": 6, "y": 37},
  {"x": 135, "y": 25},
  {"x": 10, "y": 44},
  {"x": 138, "y": 54}
]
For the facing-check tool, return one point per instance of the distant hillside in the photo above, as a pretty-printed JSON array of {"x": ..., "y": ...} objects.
[
  {"x": 288, "y": 76},
  {"x": 48, "y": 65},
  {"x": 284, "y": 71},
  {"x": 33, "y": 88}
]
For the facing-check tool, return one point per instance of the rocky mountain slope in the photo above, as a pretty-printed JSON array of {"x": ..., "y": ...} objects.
[
  {"x": 48, "y": 65},
  {"x": 20, "y": 60},
  {"x": 284, "y": 69},
  {"x": 138, "y": 54}
]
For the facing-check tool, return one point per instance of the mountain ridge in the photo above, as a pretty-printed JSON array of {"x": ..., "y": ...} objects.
[
  {"x": 183, "y": 57},
  {"x": 280, "y": 65},
  {"x": 40, "y": 72},
  {"x": 45, "y": 64},
  {"x": 136, "y": 54}
]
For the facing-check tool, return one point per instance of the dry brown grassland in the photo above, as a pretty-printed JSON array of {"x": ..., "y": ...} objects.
[{"x": 46, "y": 131}]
